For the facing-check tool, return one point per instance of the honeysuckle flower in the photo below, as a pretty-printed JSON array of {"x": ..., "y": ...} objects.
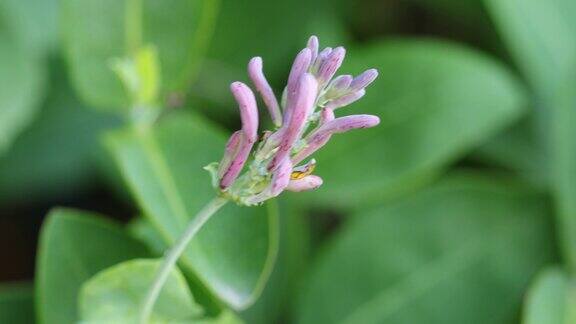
[{"x": 304, "y": 122}]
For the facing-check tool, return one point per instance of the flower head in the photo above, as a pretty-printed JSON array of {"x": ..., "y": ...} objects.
[{"x": 304, "y": 119}]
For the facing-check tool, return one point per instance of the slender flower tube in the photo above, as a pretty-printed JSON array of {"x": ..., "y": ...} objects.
[
  {"x": 257, "y": 76},
  {"x": 345, "y": 100},
  {"x": 248, "y": 135},
  {"x": 339, "y": 125},
  {"x": 320, "y": 59},
  {"x": 363, "y": 80},
  {"x": 313, "y": 46},
  {"x": 301, "y": 107},
  {"x": 331, "y": 64},
  {"x": 307, "y": 183}
]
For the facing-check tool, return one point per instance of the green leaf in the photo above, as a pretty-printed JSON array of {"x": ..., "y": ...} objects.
[
  {"x": 519, "y": 150},
  {"x": 35, "y": 23},
  {"x": 278, "y": 296},
  {"x": 461, "y": 251},
  {"x": 551, "y": 299},
  {"x": 540, "y": 36},
  {"x": 57, "y": 155},
  {"x": 97, "y": 31},
  {"x": 437, "y": 101},
  {"x": 16, "y": 304},
  {"x": 21, "y": 77},
  {"x": 115, "y": 295},
  {"x": 234, "y": 253},
  {"x": 75, "y": 245},
  {"x": 563, "y": 159}
]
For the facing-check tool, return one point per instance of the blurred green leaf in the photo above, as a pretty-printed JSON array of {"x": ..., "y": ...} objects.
[
  {"x": 461, "y": 251},
  {"x": 115, "y": 295},
  {"x": 278, "y": 296},
  {"x": 541, "y": 37},
  {"x": 34, "y": 22},
  {"x": 518, "y": 149},
  {"x": 57, "y": 154},
  {"x": 437, "y": 101},
  {"x": 551, "y": 299},
  {"x": 16, "y": 304},
  {"x": 563, "y": 158},
  {"x": 74, "y": 246},
  {"x": 21, "y": 77},
  {"x": 96, "y": 31},
  {"x": 234, "y": 253}
]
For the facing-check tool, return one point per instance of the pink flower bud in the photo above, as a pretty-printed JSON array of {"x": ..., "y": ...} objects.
[
  {"x": 313, "y": 141},
  {"x": 340, "y": 83},
  {"x": 313, "y": 46},
  {"x": 230, "y": 151},
  {"x": 345, "y": 100},
  {"x": 230, "y": 174},
  {"x": 363, "y": 80},
  {"x": 248, "y": 109},
  {"x": 263, "y": 87},
  {"x": 310, "y": 182},
  {"x": 330, "y": 65},
  {"x": 301, "y": 107},
  {"x": 248, "y": 136},
  {"x": 320, "y": 60},
  {"x": 346, "y": 123},
  {"x": 300, "y": 66},
  {"x": 319, "y": 137}
]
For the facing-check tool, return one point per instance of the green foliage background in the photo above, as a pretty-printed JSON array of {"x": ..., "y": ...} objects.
[{"x": 460, "y": 207}]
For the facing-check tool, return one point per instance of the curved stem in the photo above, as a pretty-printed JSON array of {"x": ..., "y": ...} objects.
[{"x": 174, "y": 254}]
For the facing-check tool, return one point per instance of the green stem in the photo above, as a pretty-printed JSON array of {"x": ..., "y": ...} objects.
[{"x": 174, "y": 254}]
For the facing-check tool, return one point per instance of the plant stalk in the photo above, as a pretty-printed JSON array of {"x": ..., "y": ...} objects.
[{"x": 174, "y": 254}]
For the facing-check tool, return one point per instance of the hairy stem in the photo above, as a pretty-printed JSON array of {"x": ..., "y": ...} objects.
[{"x": 174, "y": 254}]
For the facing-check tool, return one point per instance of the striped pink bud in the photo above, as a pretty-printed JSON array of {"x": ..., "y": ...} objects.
[
  {"x": 345, "y": 100},
  {"x": 313, "y": 45},
  {"x": 320, "y": 137},
  {"x": 363, "y": 80},
  {"x": 263, "y": 87},
  {"x": 301, "y": 106},
  {"x": 310, "y": 182},
  {"x": 330, "y": 65},
  {"x": 248, "y": 135}
]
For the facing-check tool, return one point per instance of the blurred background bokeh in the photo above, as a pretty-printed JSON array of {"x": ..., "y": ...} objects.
[{"x": 445, "y": 213}]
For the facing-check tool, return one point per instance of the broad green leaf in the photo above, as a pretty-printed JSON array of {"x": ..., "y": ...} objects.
[
  {"x": 551, "y": 299},
  {"x": 16, "y": 304},
  {"x": 21, "y": 77},
  {"x": 277, "y": 298},
  {"x": 518, "y": 149},
  {"x": 74, "y": 246},
  {"x": 563, "y": 158},
  {"x": 97, "y": 31},
  {"x": 436, "y": 100},
  {"x": 234, "y": 253},
  {"x": 34, "y": 22},
  {"x": 57, "y": 154},
  {"x": 461, "y": 251},
  {"x": 541, "y": 37},
  {"x": 115, "y": 295}
]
